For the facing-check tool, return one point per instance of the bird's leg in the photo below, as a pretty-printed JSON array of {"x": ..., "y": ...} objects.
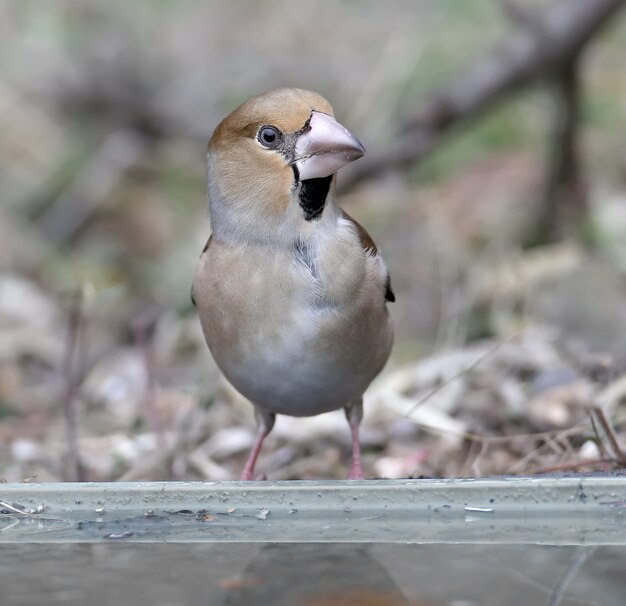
[
  {"x": 265, "y": 422},
  {"x": 354, "y": 414}
]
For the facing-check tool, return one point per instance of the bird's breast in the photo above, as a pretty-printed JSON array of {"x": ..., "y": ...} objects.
[{"x": 298, "y": 333}]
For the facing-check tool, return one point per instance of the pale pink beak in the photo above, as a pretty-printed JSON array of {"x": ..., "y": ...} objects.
[{"x": 325, "y": 147}]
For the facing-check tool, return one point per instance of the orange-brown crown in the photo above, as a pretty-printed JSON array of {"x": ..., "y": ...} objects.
[{"x": 286, "y": 108}]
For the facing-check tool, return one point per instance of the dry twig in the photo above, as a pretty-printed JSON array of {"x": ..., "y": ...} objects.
[
  {"x": 618, "y": 453},
  {"x": 575, "y": 466},
  {"x": 462, "y": 372}
]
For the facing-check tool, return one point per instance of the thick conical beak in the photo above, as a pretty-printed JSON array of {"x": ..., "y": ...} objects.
[{"x": 325, "y": 147}]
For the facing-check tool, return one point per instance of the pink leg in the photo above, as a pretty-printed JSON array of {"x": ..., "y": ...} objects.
[
  {"x": 354, "y": 413},
  {"x": 265, "y": 423}
]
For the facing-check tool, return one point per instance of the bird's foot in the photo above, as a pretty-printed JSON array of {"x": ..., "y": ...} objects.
[
  {"x": 356, "y": 473},
  {"x": 266, "y": 422},
  {"x": 248, "y": 476}
]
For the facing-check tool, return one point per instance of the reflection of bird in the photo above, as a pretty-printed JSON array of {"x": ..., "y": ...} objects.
[
  {"x": 314, "y": 575},
  {"x": 291, "y": 291}
]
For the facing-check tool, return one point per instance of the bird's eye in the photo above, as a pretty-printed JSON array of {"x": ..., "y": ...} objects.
[{"x": 269, "y": 136}]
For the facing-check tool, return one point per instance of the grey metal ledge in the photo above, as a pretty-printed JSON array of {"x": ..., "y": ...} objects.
[{"x": 545, "y": 510}]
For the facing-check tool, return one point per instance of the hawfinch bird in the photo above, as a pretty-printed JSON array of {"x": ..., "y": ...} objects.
[{"x": 290, "y": 290}]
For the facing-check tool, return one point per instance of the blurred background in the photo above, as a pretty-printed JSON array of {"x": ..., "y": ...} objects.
[{"x": 495, "y": 185}]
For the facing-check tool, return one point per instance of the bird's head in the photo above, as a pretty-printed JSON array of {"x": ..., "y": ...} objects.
[{"x": 271, "y": 161}]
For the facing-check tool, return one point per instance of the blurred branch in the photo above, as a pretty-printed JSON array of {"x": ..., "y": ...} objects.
[
  {"x": 521, "y": 15},
  {"x": 543, "y": 47},
  {"x": 121, "y": 150},
  {"x": 564, "y": 204},
  {"x": 71, "y": 378},
  {"x": 143, "y": 326}
]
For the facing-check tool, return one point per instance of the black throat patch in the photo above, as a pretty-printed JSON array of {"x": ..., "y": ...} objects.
[{"x": 312, "y": 196}]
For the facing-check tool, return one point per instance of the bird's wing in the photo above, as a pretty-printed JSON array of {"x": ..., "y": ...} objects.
[
  {"x": 206, "y": 247},
  {"x": 370, "y": 248},
  {"x": 208, "y": 243}
]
